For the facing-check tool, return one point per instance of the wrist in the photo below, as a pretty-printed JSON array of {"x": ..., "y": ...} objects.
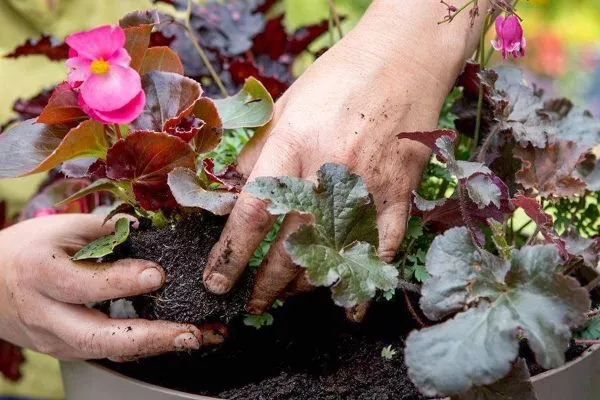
[{"x": 406, "y": 36}]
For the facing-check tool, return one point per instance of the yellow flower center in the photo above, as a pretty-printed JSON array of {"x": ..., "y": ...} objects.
[{"x": 99, "y": 66}]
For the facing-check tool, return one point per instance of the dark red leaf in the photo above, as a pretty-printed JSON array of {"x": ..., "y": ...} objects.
[
  {"x": 97, "y": 170},
  {"x": 3, "y": 216},
  {"x": 137, "y": 41},
  {"x": 32, "y": 107},
  {"x": 212, "y": 131},
  {"x": 145, "y": 159},
  {"x": 229, "y": 178},
  {"x": 242, "y": 69},
  {"x": 11, "y": 359},
  {"x": 46, "y": 45},
  {"x": 429, "y": 139},
  {"x": 161, "y": 59},
  {"x": 168, "y": 95},
  {"x": 275, "y": 42},
  {"x": 185, "y": 128},
  {"x": 62, "y": 107}
]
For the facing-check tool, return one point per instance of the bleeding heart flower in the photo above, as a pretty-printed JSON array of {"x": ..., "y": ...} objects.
[
  {"x": 110, "y": 91},
  {"x": 510, "y": 39}
]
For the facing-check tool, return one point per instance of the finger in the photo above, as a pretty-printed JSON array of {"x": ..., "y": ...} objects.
[
  {"x": 277, "y": 269},
  {"x": 92, "y": 335},
  {"x": 246, "y": 227},
  {"x": 88, "y": 282},
  {"x": 391, "y": 222},
  {"x": 298, "y": 285}
]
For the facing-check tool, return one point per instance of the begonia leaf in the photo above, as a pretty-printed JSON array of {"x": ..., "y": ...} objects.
[
  {"x": 46, "y": 45},
  {"x": 168, "y": 95},
  {"x": 62, "y": 107},
  {"x": 145, "y": 159},
  {"x": 251, "y": 107}
]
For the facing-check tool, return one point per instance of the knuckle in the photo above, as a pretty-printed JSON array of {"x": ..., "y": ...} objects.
[
  {"x": 90, "y": 342},
  {"x": 253, "y": 211}
]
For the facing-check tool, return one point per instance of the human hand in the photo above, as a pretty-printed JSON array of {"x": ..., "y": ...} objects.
[
  {"x": 42, "y": 295},
  {"x": 346, "y": 108}
]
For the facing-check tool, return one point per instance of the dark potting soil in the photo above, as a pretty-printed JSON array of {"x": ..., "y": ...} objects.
[
  {"x": 182, "y": 249},
  {"x": 310, "y": 352}
]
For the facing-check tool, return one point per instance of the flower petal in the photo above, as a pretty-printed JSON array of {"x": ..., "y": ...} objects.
[
  {"x": 79, "y": 69},
  {"x": 497, "y": 44},
  {"x": 499, "y": 25},
  {"x": 121, "y": 57},
  {"x": 101, "y": 42},
  {"x": 112, "y": 90},
  {"x": 124, "y": 115}
]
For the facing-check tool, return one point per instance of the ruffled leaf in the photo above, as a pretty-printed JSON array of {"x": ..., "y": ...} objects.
[
  {"x": 338, "y": 250},
  {"x": 525, "y": 296}
]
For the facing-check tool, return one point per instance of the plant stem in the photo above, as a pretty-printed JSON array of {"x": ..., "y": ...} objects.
[
  {"x": 336, "y": 18},
  {"x": 405, "y": 256},
  {"x": 587, "y": 341},
  {"x": 412, "y": 310},
  {"x": 592, "y": 313},
  {"x": 450, "y": 18},
  {"x": 525, "y": 225},
  {"x": 533, "y": 236},
  {"x": 480, "y": 98},
  {"x": 201, "y": 53},
  {"x": 118, "y": 131},
  {"x": 486, "y": 144}
]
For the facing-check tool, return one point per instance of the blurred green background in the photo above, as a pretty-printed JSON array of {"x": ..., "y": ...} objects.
[{"x": 563, "y": 57}]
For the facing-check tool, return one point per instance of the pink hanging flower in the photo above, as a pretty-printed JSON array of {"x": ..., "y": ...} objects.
[
  {"x": 510, "y": 39},
  {"x": 110, "y": 91}
]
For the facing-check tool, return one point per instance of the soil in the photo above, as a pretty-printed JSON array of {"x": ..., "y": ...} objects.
[
  {"x": 310, "y": 352},
  {"x": 182, "y": 249}
]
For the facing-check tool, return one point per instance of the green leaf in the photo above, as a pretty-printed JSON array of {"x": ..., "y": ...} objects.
[
  {"x": 499, "y": 238},
  {"x": 421, "y": 273},
  {"x": 388, "y": 353},
  {"x": 341, "y": 203},
  {"x": 189, "y": 192},
  {"x": 121, "y": 190},
  {"x": 251, "y": 107},
  {"x": 414, "y": 230},
  {"x": 525, "y": 297},
  {"x": 338, "y": 250},
  {"x": 259, "y": 320},
  {"x": 591, "y": 330},
  {"x": 105, "y": 245}
]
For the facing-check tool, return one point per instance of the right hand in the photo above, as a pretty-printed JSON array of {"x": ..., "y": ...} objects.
[{"x": 43, "y": 295}]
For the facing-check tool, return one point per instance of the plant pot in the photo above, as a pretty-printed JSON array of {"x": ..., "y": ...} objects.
[{"x": 577, "y": 380}]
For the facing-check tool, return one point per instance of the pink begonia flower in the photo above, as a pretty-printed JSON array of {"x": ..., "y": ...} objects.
[
  {"x": 110, "y": 91},
  {"x": 510, "y": 39}
]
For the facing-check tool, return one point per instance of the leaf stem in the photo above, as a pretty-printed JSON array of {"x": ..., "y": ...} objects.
[
  {"x": 480, "y": 98},
  {"x": 118, "y": 131},
  {"x": 587, "y": 341},
  {"x": 405, "y": 256},
  {"x": 201, "y": 53},
  {"x": 336, "y": 17},
  {"x": 412, "y": 310}
]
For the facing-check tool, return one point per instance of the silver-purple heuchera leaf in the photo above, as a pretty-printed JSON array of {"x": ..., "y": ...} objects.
[{"x": 504, "y": 301}]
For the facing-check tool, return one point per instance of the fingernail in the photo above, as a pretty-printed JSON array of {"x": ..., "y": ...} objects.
[
  {"x": 151, "y": 278},
  {"x": 256, "y": 306},
  {"x": 186, "y": 341},
  {"x": 217, "y": 283},
  {"x": 212, "y": 337}
]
